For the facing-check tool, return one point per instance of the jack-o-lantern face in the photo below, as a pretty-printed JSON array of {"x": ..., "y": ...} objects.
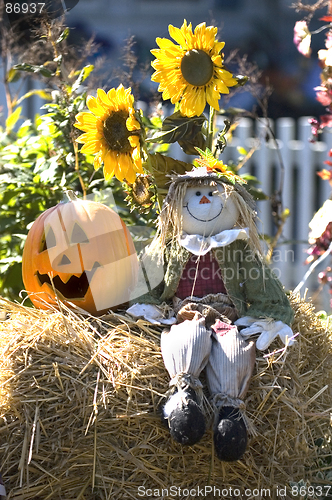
[
  {"x": 207, "y": 210},
  {"x": 84, "y": 251}
]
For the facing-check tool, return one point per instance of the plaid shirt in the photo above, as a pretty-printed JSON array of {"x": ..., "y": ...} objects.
[{"x": 200, "y": 277}]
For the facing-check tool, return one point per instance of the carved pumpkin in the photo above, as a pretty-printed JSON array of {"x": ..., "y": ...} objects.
[{"x": 84, "y": 251}]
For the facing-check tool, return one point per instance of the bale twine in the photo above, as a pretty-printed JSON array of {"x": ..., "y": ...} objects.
[{"x": 79, "y": 403}]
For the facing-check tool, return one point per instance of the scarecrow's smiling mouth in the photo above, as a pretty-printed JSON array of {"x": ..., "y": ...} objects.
[
  {"x": 203, "y": 220},
  {"x": 75, "y": 288}
]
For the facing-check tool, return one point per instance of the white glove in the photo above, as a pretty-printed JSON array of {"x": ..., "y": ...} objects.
[
  {"x": 268, "y": 329},
  {"x": 151, "y": 313}
]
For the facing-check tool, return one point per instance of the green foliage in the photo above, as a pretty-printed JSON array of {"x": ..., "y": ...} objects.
[
  {"x": 36, "y": 165},
  {"x": 186, "y": 131},
  {"x": 40, "y": 159}
]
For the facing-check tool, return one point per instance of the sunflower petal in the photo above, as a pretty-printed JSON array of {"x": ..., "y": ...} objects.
[
  {"x": 110, "y": 164},
  {"x": 219, "y": 46},
  {"x": 177, "y": 35},
  {"x": 103, "y": 99},
  {"x": 212, "y": 97},
  {"x": 193, "y": 103},
  {"x": 86, "y": 121},
  {"x": 95, "y": 107},
  {"x": 91, "y": 147},
  {"x": 217, "y": 60},
  {"x": 136, "y": 156},
  {"x": 122, "y": 167},
  {"x": 129, "y": 171},
  {"x": 111, "y": 94},
  {"x": 134, "y": 141},
  {"x": 132, "y": 123},
  {"x": 164, "y": 43},
  {"x": 97, "y": 161},
  {"x": 87, "y": 137}
]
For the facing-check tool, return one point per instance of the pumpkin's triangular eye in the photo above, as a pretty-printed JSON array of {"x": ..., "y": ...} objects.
[
  {"x": 48, "y": 240},
  {"x": 64, "y": 261},
  {"x": 78, "y": 235}
]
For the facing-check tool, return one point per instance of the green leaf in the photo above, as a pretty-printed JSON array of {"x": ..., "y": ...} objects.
[
  {"x": 154, "y": 123},
  {"x": 177, "y": 127},
  {"x": 82, "y": 76},
  {"x": 162, "y": 166},
  {"x": 42, "y": 93},
  {"x": 257, "y": 193},
  {"x": 12, "y": 119},
  {"x": 190, "y": 146},
  {"x": 242, "y": 151},
  {"x": 32, "y": 68},
  {"x": 241, "y": 81},
  {"x": 250, "y": 178},
  {"x": 63, "y": 36},
  {"x": 12, "y": 76}
]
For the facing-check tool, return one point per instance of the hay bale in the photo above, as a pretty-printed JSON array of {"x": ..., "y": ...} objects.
[{"x": 79, "y": 399}]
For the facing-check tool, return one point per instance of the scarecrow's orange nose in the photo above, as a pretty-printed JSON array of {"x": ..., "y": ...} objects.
[{"x": 204, "y": 200}]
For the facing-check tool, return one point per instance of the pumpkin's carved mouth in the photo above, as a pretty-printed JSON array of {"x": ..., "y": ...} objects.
[{"x": 75, "y": 288}]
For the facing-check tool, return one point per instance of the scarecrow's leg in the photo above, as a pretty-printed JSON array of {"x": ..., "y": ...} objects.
[
  {"x": 228, "y": 373},
  {"x": 185, "y": 349}
]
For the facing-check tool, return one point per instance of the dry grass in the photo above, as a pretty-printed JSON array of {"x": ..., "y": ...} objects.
[{"x": 79, "y": 399}]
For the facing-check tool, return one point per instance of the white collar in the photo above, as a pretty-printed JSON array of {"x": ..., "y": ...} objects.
[{"x": 199, "y": 245}]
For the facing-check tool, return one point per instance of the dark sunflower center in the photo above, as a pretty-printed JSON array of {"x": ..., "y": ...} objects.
[
  {"x": 197, "y": 67},
  {"x": 116, "y": 133}
]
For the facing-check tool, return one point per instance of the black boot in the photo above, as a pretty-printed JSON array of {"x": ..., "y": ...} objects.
[
  {"x": 184, "y": 417},
  {"x": 230, "y": 435}
]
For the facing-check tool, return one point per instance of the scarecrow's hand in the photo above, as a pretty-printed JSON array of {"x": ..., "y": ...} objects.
[
  {"x": 268, "y": 330},
  {"x": 151, "y": 313}
]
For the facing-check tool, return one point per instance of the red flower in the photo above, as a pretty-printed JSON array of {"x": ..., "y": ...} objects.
[
  {"x": 326, "y": 19},
  {"x": 326, "y": 175},
  {"x": 323, "y": 95}
]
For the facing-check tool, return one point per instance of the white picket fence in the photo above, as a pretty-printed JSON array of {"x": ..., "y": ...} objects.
[{"x": 303, "y": 191}]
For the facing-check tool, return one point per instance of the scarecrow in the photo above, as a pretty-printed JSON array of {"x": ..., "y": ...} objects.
[{"x": 222, "y": 295}]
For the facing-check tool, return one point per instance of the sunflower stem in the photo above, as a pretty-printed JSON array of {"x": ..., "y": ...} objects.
[
  {"x": 149, "y": 168},
  {"x": 209, "y": 139},
  {"x": 77, "y": 169}
]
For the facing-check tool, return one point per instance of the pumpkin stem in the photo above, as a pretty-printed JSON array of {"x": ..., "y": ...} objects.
[{"x": 71, "y": 195}]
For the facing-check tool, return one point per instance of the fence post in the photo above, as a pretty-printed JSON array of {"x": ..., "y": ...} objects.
[
  {"x": 284, "y": 258},
  {"x": 304, "y": 194},
  {"x": 263, "y": 156}
]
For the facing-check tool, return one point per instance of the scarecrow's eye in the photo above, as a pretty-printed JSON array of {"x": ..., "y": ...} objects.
[
  {"x": 198, "y": 193},
  {"x": 210, "y": 193}
]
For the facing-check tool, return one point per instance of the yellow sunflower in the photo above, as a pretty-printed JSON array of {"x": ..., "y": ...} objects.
[
  {"x": 112, "y": 132},
  {"x": 213, "y": 165},
  {"x": 191, "y": 72}
]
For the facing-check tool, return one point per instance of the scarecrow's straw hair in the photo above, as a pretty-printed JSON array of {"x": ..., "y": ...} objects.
[
  {"x": 79, "y": 412},
  {"x": 247, "y": 219},
  {"x": 170, "y": 218}
]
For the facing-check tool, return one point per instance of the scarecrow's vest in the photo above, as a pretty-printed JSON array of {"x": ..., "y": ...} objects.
[{"x": 201, "y": 276}]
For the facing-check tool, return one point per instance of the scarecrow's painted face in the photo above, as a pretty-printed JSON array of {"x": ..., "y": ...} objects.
[{"x": 207, "y": 211}]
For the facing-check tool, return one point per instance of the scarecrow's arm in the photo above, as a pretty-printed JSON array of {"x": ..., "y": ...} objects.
[
  {"x": 265, "y": 296},
  {"x": 268, "y": 310}
]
